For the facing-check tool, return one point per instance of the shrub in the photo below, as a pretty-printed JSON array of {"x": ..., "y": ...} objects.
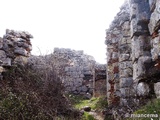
[{"x": 27, "y": 94}]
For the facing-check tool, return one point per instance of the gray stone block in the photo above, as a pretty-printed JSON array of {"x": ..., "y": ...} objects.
[
  {"x": 134, "y": 10},
  {"x": 84, "y": 88},
  {"x": 124, "y": 57},
  {"x": 127, "y": 91},
  {"x": 126, "y": 48},
  {"x": 7, "y": 62},
  {"x": 126, "y": 73},
  {"x": 20, "y": 51},
  {"x": 157, "y": 89},
  {"x": 126, "y": 82},
  {"x": 143, "y": 89},
  {"x": 152, "y": 4},
  {"x": 125, "y": 65},
  {"x": 2, "y": 54}
]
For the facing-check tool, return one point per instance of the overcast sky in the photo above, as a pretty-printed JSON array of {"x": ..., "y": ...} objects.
[{"x": 75, "y": 24}]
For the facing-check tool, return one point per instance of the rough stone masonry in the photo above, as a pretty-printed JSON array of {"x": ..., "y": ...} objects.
[
  {"x": 79, "y": 73},
  {"x": 133, "y": 52},
  {"x": 75, "y": 69},
  {"x": 15, "y": 47}
]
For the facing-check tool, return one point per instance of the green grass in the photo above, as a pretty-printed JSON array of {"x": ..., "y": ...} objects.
[
  {"x": 152, "y": 107},
  {"x": 87, "y": 116},
  {"x": 95, "y": 102},
  {"x": 91, "y": 103}
]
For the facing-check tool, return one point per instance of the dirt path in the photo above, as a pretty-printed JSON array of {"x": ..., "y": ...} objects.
[{"x": 96, "y": 115}]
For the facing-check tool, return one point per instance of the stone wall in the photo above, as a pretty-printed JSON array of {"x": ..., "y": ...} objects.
[
  {"x": 77, "y": 71},
  {"x": 133, "y": 55},
  {"x": 119, "y": 64},
  {"x": 99, "y": 84},
  {"x": 15, "y": 47},
  {"x": 133, "y": 50},
  {"x": 154, "y": 29}
]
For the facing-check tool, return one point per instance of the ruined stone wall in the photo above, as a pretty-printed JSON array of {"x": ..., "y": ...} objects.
[
  {"x": 154, "y": 29},
  {"x": 15, "y": 47},
  {"x": 100, "y": 83},
  {"x": 119, "y": 64},
  {"x": 133, "y": 47},
  {"x": 76, "y": 70}
]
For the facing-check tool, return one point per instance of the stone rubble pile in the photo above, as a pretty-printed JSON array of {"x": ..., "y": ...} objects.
[{"x": 15, "y": 47}]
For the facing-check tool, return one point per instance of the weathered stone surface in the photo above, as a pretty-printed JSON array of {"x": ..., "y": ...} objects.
[
  {"x": 154, "y": 19},
  {"x": 74, "y": 68},
  {"x": 1, "y": 43},
  {"x": 157, "y": 89},
  {"x": 125, "y": 65},
  {"x": 88, "y": 96},
  {"x": 143, "y": 89},
  {"x": 126, "y": 92},
  {"x": 155, "y": 51},
  {"x": 84, "y": 88},
  {"x": 152, "y": 4},
  {"x": 139, "y": 68},
  {"x": 125, "y": 48},
  {"x": 2, "y": 54},
  {"x": 140, "y": 16},
  {"x": 114, "y": 55},
  {"x": 126, "y": 73},
  {"x": 126, "y": 82},
  {"x": 134, "y": 10},
  {"x": 123, "y": 40},
  {"x": 20, "y": 51},
  {"x": 138, "y": 48},
  {"x": 1, "y": 69},
  {"x": 7, "y": 62},
  {"x": 119, "y": 30},
  {"x": 10, "y": 52},
  {"x": 124, "y": 57}
]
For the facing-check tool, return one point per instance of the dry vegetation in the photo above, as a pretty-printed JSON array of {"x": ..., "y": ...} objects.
[{"x": 27, "y": 94}]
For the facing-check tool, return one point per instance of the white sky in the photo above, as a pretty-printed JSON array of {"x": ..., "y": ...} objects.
[{"x": 75, "y": 24}]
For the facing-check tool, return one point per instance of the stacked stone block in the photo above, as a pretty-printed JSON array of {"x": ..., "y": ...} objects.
[
  {"x": 75, "y": 69},
  {"x": 133, "y": 46},
  {"x": 119, "y": 67},
  {"x": 125, "y": 59},
  {"x": 141, "y": 56},
  {"x": 15, "y": 47},
  {"x": 154, "y": 28},
  {"x": 112, "y": 37},
  {"x": 100, "y": 80}
]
